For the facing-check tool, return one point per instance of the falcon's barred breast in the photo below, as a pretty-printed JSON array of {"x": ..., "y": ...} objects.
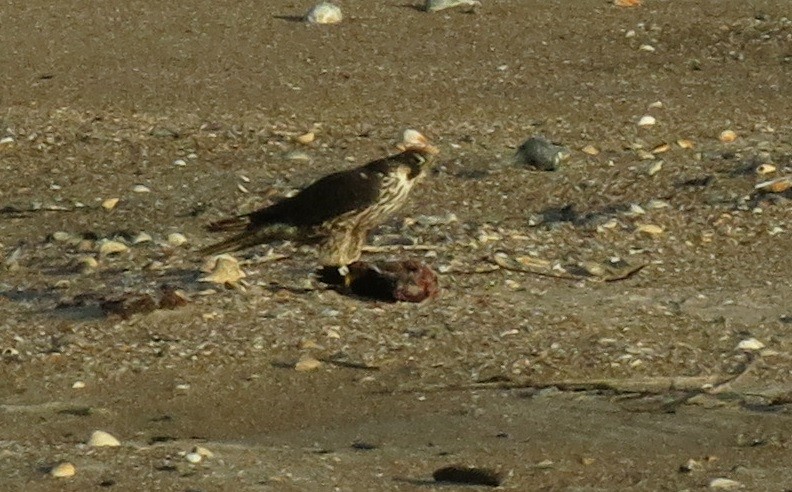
[{"x": 334, "y": 213}]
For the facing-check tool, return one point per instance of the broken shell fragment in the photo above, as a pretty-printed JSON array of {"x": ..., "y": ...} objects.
[
  {"x": 778, "y": 185},
  {"x": 324, "y": 13}
]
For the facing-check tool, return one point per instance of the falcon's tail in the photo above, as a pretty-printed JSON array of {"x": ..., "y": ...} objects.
[
  {"x": 250, "y": 238},
  {"x": 230, "y": 224}
]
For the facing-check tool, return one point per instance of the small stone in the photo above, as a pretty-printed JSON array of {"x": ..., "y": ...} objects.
[
  {"x": 655, "y": 168},
  {"x": 437, "y": 5},
  {"x": 202, "y": 451},
  {"x": 626, "y": 3},
  {"x": 63, "y": 470},
  {"x": 7, "y": 140},
  {"x": 180, "y": 162},
  {"x": 538, "y": 153},
  {"x": 141, "y": 237},
  {"x": 61, "y": 236},
  {"x": 750, "y": 345},
  {"x": 110, "y": 203},
  {"x": 685, "y": 143},
  {"x": 324, "y": 13},
  {"x": 649, "y": 229},
  {"x": 727, "y": 136},
  {"x": 307, "y": 363},
  {"x": 590, "y": 150},
  {"x": 78, "y": 385},
  {"x": 305, "y": 138},
  {"x": 691, "y": 466},
  {"x": 725, "y": 484},
  {"x": 656, "y": 105},
  {"x": 765, "y": 169},
  {"x": 648, "y": 48},
  {"x": 109, "y": 247},
  {"x": 141, "y": 189},
  {"x": 297, "y": 155},
  {"x": 647, "y": 120},
  {"x": 224, "y": 269},
  {"x": 88, "y": 264},
  {"x": 193, "y": 457},
  {"x": 103, "y": 439},
  {"x": 176, "y": 239}
]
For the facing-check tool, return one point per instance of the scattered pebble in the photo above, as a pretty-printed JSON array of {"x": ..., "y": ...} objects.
[
  {"x": 727, "y": 136},
  {"x": 691, "y": 466},
  {"x": 437, "y": 5},
  {"x": 61, "y": 236},
  {"x": 626, "y": 3},
  {"x": 109, "y": 247},
  {"x": 648, "y": 48},
  {"x": 88, "y": 264},
  {"x": 765, "y": 169},
  {"x": 538, "y": 153},
  {"x": 78, "y": 385},
  {"x": 141, "y": 189},
  {"x": 180, "y": 162},
  {"x": 305, "y": 138},
  {"x": 654, "y": 168},
  {"x": 176, "y": 239},
  {"x": 750, "y": 345},
  {"x": 224, "y": 269},
  {"x": 297, "y": 155},
  {"x": 141, "y": 237},
  {"x": 103, "y": 439},
  {"x": 650, "y": 229},
  {"x": 63, "y": 470},
  {"x": 307, "y": 363},
  {"x": 202, "y": 451},
  {"x": 7, "y": 140},
  {"x": 685, "y": 143},
  {"x": 590, "y": 150},
  {"x": 647, "y": 120},
  {"x": 660, "y": 149},
  {"x": 725, "y": 484},
  {"x": 110, "y": 203},
  {"x": 324, "y": 13},
  {"x": 656, "y": 105},
  {"x": 193, "y": 457}
]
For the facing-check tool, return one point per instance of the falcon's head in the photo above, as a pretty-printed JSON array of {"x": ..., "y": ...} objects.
[
  {"x": 416, "y": 155},
  {"x": 412, "y": 163}
]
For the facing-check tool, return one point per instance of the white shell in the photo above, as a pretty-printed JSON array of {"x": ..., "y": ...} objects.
[
  {"x": 324, "y": 13},
  {"x": 103, "y": 439}
]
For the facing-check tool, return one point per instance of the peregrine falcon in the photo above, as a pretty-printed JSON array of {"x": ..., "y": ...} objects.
[{"x": 335, "y": 213}]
